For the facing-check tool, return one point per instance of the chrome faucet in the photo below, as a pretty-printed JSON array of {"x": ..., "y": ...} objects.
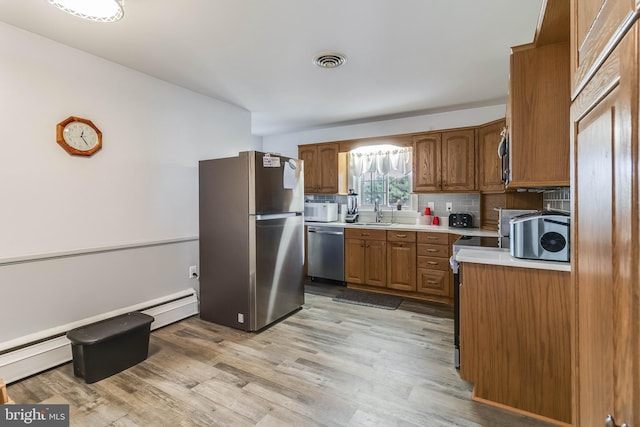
[{"x": 377, "y": 210}]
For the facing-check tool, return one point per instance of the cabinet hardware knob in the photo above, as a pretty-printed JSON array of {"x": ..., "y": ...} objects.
[
  {"x": 432, "y": 250},
  {"x": 401, "y": 235},
  {"x": 432, "y": 282},
  {"x": 432, "y": 263},
  {"x": 432, "y": 238}
]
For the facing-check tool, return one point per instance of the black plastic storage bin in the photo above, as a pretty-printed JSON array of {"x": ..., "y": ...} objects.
[{"x": 110, "y": 346}]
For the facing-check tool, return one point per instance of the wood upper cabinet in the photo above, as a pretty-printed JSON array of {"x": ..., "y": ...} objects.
[
  {"x": 365, "y": 261},
  {"x": 489, "y": 164},
  {"x": 459, "y": 160},
  {"x": 605, "y": 236},
  {"x": 538, "y": 116},
  {"x": 444, "y": 161},
  {"x": 320, "y": 167},
  {"x": 595, "y": 26},
  {"x": 401, "y": 260},
  {"x": 427, "y": 162},
  {"x": 515, "y": 338}
]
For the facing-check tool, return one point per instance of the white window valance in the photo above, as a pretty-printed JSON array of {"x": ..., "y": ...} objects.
[{"x": 393, "y": 162}]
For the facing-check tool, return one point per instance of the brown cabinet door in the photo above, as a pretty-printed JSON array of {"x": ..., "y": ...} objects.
[
  {"x": 309, "y": 155},
  {"x": 515, "y": 338},
  {"x": 354, "y": 261},
  {"x": 539, "y": 119},
  {"x": 605, "y": 239},
  {"x": 459, "y": 160},
  {"x": 427, "y": 162},
  {"x": 320, "y": 167},
  {"x": 489, "y": 170},
  {"x": 597, "y": 23},
  {"x": 433, "y": 282},
  {"x": 375, "y": 262},
  {"x": 401, "y": 261},
  {"x": 328, "y": 168}
]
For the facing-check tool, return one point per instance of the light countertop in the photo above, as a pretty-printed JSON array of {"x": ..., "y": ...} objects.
[
  {"x": 408, "y": 227},
  {"x": 502, "y": 257}
]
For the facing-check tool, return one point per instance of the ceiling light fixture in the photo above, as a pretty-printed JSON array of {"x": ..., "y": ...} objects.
[
  {"x": 329, "y": 59},
  {"x": 94, "y": 10}
]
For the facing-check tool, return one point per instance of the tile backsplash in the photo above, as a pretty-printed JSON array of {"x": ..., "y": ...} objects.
[{"x": 558, "y": 199}]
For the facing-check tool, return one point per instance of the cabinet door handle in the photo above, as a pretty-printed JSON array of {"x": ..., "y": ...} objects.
[
  {"x": 432, "y": 282},
  {"x": 401, "y": 235},
  {"x": 432, "y": 250},
  {"x": 611, "y": 422},
  {"x": 432, "y": 238},
  {"x": 432, "y": 263}
]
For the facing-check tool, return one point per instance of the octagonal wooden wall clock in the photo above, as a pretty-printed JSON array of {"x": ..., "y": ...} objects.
[{"x": 78, "y": 136}]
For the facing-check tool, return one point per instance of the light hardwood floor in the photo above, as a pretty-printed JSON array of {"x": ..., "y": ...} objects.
[{"x": 329, "y": 364}]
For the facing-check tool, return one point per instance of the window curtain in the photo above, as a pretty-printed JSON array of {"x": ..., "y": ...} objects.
[{"x": 393, "y": 162}]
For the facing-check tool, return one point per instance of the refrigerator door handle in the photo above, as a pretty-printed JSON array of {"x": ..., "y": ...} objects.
[{"x": 277, "y": 216}]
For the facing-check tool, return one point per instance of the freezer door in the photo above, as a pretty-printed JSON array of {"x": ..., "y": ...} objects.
[
  {"x": 277, "y": 184},
  {"x": 279, "y": 257}
]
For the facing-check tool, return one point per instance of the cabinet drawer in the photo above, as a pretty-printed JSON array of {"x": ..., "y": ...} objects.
[
  {"x": 401, "y": 236},
  {"x": 433, "y": 238},
  {"x": 365, "y": 234},
  {"x": 434, "y": 263},
  {"x": 433, "y": 282},
  {"x": 433, "y": 251}
]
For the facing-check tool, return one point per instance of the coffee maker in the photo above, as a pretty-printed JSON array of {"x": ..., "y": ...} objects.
[{"x": 352, "y": 206}]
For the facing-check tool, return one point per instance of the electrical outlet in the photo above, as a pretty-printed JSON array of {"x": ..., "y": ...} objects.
[
  {"x": 240, "y": 318},
  {"x": 193, "y": 272},
  {"x": 431, "y": 205},
  {"x": 449, "y": 206}
]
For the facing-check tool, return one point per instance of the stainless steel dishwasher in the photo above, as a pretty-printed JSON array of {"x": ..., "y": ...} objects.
[{"x": 325, "y": 252}]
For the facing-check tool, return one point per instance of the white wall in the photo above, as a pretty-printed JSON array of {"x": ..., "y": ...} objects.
[
  {"x": 141, "y": 187},
  {"x": 287, "y": 144}
]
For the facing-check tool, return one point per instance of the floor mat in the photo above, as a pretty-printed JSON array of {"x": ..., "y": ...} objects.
[{"x": 370, "y": 299}]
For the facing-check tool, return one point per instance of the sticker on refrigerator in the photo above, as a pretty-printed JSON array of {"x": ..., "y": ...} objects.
[{"x": 270, "y": 162}]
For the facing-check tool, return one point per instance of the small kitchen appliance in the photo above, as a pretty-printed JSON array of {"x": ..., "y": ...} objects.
[
  {"x": 352, "y": 206},
  {"x": 460, "y": 220},
  {"x": 320, "y": 212},
  {"x": 542, "y": 235}
]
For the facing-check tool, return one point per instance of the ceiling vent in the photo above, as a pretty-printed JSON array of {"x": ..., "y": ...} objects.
[{"x": 329, "y": 59}]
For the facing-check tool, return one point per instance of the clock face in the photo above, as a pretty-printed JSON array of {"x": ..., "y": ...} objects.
[{"x": 80, "y": 136}]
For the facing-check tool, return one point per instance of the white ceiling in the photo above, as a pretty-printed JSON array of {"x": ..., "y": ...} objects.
[{"x": 405, "y": 57}]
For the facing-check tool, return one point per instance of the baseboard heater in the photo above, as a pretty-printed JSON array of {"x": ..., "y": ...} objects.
[{"x": 44, "y": 350}]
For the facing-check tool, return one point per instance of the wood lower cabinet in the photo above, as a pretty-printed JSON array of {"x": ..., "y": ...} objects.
[
  {"x": 406, "y": 263},
  {"x": 434, "y": 272},
  {"x": 365, "y": 257},
  {"x": 401, "y": 260},
  {"x": 515, "y": 342}
]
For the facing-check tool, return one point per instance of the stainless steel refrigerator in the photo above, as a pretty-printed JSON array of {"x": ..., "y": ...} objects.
[{"x": 251, "y": 239}]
